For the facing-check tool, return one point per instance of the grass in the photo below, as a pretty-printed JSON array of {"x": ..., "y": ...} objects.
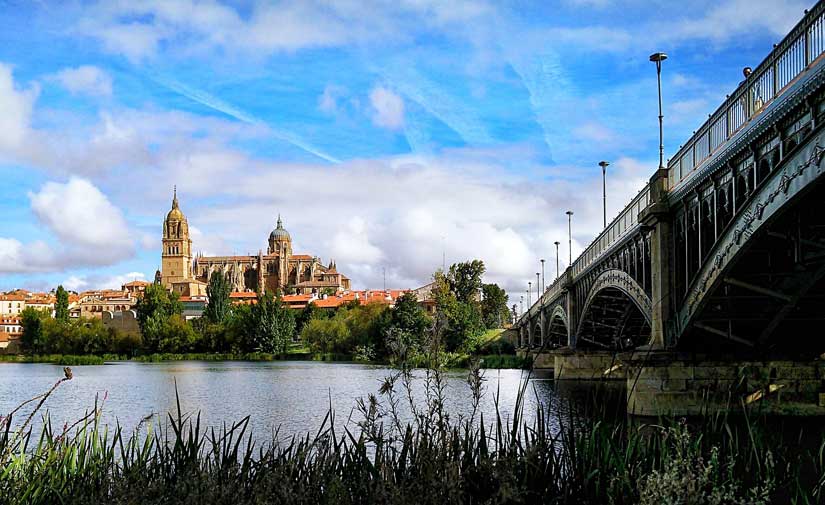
[{"x": 61, "y": 359}]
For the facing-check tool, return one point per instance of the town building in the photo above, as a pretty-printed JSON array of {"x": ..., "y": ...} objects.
[
  {"x": 12, "y": 304},
  {"x": 93, "y": 304},
  {"x": 11, "y": 331},
  {"x": 278, "y": 270}
]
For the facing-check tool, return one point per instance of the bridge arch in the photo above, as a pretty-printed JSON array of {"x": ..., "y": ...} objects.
[
  {"x": 556, "y": 327},
  {"x": 764, "y": 278},
  {"x": 616, "y": 313}
]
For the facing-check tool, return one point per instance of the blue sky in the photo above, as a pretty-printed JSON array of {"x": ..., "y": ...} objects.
[{"x": 384, "y": 132}]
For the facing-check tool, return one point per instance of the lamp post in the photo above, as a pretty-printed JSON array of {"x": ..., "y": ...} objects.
[
  {"x": 529, "y": 293},
  {"x": 557, "y": 258},
  {"x": 570, "y": 237},
  {"x": 521, "y": 303},
  {"x": 604, "y": 165},
  {"x": 538, "y": 288},
  {"x": 543, "y": 287},
  {"x": 658, "y": 58}
]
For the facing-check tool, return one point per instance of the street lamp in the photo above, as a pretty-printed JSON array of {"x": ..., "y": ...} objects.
[
  {"x": 604, "y": 165},
  {"x": 557, "y": 258},
  {"x": 521, "y": 303},
  {"x": 570, "y": 237},
  {"x": 658, "y": 58},
  {"x": 538, "y": 288},
  {"x": 542, "y": 276},
  {"x": 529, "y": 293}
]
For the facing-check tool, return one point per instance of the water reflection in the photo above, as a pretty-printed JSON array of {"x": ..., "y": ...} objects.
[{"x": 293, "y": 397}]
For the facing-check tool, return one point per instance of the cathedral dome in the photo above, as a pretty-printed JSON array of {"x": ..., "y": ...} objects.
[{"x": 279, "y": 233}]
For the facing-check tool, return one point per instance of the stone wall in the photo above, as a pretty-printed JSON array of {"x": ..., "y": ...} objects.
[
  {"x": 587, "y": 366},
  {"x": 687, "y": 387}
]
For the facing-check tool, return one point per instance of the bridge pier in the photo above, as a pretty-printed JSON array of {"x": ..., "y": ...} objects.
[{"x": 667, "y": 384}]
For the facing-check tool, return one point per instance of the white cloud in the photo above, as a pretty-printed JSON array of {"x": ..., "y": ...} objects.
[
  {"x": 90, "y": 282},
  {"x": 138, "y": 30},
  {"x": 727, "y": 20},
  {"x": 86, "y": 79},
  {"x": 89, "y": 229},
  {"x": 388, "y": 108},
  {"x": 16, "y": 106},
  {"x": 80, "y": 215},
  {"x": 328, "y": 101}
]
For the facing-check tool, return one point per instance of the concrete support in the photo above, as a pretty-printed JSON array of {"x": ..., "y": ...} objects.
[
  {"x": 662, "y": 384},
  {"x": 657, "y": 218},
  {"x": 572, "y": 365}
]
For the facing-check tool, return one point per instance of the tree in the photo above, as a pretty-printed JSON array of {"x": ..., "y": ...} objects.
[
  {"x": 269, "y": 325},
  {"x": 464, "y": 323},
  {"x": 408, "y": 316},
  {"x": 153, "y": 311},
  {"x": 218, "y": 291},
  {"x": 61, "y": 305},
  {"x": 32, "y": 321},
  {"x": 465, "y": 280},
  {"x": 494, "y": 306},
  {"x": 310, "y": 312}
]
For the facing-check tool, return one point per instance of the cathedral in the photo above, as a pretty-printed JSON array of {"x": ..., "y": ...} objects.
[{"x": 277, "y": 270}]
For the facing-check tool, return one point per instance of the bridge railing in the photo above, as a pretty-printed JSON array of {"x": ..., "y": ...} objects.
[
  {"x": 626, "y": 221},
  {"x": 621, "y": 225},
  {"x": 789, "y": 59}
]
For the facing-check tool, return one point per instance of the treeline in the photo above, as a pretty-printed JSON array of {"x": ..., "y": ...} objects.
[{"x": 465, "y": 308}]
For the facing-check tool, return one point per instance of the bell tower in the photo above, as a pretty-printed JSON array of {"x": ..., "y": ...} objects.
[{"x": 176, "y": 255}]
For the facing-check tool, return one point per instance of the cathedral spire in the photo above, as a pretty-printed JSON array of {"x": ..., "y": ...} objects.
[
  {"x": 280, "y": 223},
  {"x": 175, "y": 197}
]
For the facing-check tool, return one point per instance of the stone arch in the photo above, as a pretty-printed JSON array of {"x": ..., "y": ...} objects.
[{"x": 616, "y": 313}]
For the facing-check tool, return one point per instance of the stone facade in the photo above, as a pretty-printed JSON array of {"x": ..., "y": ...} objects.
[{"x": 277, "y": 270}]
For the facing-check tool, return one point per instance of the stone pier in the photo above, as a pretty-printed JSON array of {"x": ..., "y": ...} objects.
[{"x": 670, "y": 384}]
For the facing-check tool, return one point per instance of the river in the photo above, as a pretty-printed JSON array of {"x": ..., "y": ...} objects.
[{"x": 290, "y": 396}]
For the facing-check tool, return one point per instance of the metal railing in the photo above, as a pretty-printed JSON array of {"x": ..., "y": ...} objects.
[
  {"x": 790, "y": 58},
  {"x": 619, "y": 227}
]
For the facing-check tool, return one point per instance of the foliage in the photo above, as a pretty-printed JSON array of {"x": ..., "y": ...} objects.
[
  {"x": 494, "y": 309},
  {"x": 308, "y": 313},
  {"x": 154, "y": 310},
  {"x": 61, "y": 305},
  {"x": 465, "y": 280},
  {"x": 353, "y": 325},
  {"x": 218, "y": 307},
  {"x": 31, "y": 320},
  {"x": 266, "y": 326},
  {"x": 464, "y": 324}
]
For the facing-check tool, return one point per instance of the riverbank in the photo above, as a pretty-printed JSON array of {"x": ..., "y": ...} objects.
[{"x": 451, "y": 360}]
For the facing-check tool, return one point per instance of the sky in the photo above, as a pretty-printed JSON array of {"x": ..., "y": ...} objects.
[{"x": 389, "y": 135}]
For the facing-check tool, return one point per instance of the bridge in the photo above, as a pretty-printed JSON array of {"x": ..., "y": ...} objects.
[{"x": 722, "y": 253}]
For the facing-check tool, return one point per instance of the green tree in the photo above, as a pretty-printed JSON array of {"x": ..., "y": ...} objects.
[
  {"x": 153, "y": 311},
  {"x": 328, "y": 335},
  {"x": 32, "y": 321},
  {"x": 465, "y": 280},
  {"x": 269, "y": 325},
  {"x": 494, "y": 306},
  {"x": 61, "y": 306},
  {"x": 177, "y": 335},
  {"x": 307, "y": 314},
  {"x": 218, "y": 291},
  {"x": 464, "y": 324},
  {"x": 408, "y": 315}
]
